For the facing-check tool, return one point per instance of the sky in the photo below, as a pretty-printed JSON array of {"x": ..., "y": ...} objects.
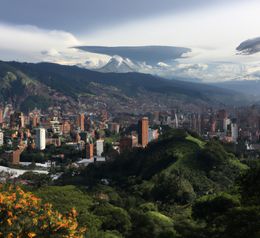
[{"x": 48, "y": 30}]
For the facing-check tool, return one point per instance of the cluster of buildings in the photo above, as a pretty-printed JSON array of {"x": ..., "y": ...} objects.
[
  {"x": 139, "y": 138},
  {"x": 88, "y": 133},
  {"x": 229, "y": 125},
  {"x": 36, "y": 131},
  {"x": 85, "y": 133},
  {"x": 208, "y": 124}
]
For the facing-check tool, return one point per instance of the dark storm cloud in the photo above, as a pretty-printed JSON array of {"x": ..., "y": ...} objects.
[
  {"x": 249, "y": 47},
  {"x": 149, "y": 54},
  {"x": 86, "y": 15}
]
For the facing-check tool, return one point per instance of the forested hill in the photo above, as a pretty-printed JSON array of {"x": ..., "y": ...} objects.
[
  {"x": 178, "y": 187},
  {"x": 27, "y": 85},
  {"x": 198, "y": 167}
]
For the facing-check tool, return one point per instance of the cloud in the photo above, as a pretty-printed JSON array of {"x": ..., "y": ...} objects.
[
  {"x": 33, "y": 44},
  {"x": 30, "y": 43},
  {"x": 88, "y": 15},
  {"x": 249, "y": 47},
  {"x": 207, "y": 72},
  {"x": 191, "y": 67},
  {"x": 72, "y": 56},
  {"x": 149, "y": 54},
  {"x": 187, "y": 71},
  {"x": 51, "y": 53},
  {"x": 163, "y": 65},
  {"x": 184, "y": 68}
]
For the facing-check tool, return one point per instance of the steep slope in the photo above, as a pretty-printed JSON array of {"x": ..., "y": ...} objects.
[
  {"x": 178, "y": 163},
  {"x": 23, "y": 91},
  {"x": 119, "y": 92}
]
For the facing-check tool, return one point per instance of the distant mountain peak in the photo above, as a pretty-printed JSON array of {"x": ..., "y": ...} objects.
[
  {"x": 118, "y": 59},
  {"x": 118, "y": 64}
]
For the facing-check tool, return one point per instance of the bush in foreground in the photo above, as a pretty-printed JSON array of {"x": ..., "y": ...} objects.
[{"x": 24, "y": 215}]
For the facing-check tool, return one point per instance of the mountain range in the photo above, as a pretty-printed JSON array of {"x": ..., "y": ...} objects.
[
  {"x": 156, "y": 60},
  {"x": 248, "y": 87},
  {"x": 28, "y": 85}
]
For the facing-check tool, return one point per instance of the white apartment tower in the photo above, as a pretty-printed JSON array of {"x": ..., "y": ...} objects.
[
  {"x": 100, "y": 147},
  {"x": 234, "y": 132},
  {"x": 1, "y": 138},
  {"x": 40, "y": 139}
]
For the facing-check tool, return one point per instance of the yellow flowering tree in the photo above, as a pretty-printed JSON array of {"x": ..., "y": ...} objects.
[{"x": 24, "y": 215}]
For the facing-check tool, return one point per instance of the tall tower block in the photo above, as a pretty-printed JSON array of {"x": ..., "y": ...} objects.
[
  {"x": 81, "y": 121},
  {"x": 143, "y": 131}
]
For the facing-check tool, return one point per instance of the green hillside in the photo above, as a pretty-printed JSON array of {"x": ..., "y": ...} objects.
[
  {"x": 176, "y": 160},
  {"x": 178, "y": 187},
  {"x": 22, "y": 90},
  {"x": 72, "y": 84}
]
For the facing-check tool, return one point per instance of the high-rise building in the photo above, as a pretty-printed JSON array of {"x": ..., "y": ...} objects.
[
  {"x": 1, "y": 116},
  {"x": 100, "y": 147},
  {"x": 40, "y": 139},
  {"x": 227, "y": 122},
  {"x": 56, "y": 126},
  {"x": 15, "y": 157},
  {"x": 1, "y": 138},
  {"x": 143, "y": 131},
  {"x": 66, "y": 127},
  {"x": 35, "y": 120},
  {"x": 78, "y": 138},
  {"x": 114, "y": 127},
  {"x": 152, "y": 134},
  {"x": 127, "y": 143},
  {"x": 222, "y": 114},
  {"x": 220, "y": 120},
  {"x": 156, "y": 117},
  {"x": 212, "y": 125},
  {"x": 17, "y": 120},
  {"x": 81, "y": 121},
  {"x": 89, "y": 150},
  {"x": 234, "y": 132},
  {"x": 104, "y": 116},
  {"x": 21, "y": 121}
]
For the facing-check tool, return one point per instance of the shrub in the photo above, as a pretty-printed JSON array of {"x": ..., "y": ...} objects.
[{"x": 24, "y": 215}]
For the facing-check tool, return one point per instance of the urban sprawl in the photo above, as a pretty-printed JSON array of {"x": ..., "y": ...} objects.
[{"x": 43, "y": 140}]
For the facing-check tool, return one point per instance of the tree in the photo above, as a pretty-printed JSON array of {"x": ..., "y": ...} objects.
[
  {"x": 24, "y": 215},
  {"x": 250, "y": 186},
  {"x": 210, "y": 206},
  {"x": 173, "y": 188},
  {"x": 151, "y": 224},
  {"x": 243, "y": 222},
  {"x": 113, "y": 218},
  {"x": 38, "y": 180}
]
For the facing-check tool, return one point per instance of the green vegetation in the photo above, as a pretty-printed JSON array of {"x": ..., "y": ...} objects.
[
  {"x": 22, "y": 214},
  {"x": 36, "y": 156},
  {"x": 32, "y": 102},
  {"x": 200, "y": 143},
  {"x": 178, "y": 187},
  {"x": 64, "y": 198}
]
